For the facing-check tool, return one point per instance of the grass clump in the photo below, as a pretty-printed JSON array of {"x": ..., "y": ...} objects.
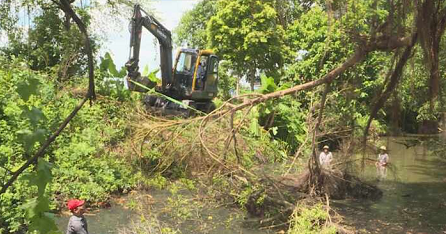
[{"x": 311, "y": 220}]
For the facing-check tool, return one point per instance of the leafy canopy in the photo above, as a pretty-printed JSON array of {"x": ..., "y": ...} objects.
[{"x": 246, "y": 33}]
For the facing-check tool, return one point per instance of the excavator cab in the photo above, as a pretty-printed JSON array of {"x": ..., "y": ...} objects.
[{"x": 196, "y": 74}]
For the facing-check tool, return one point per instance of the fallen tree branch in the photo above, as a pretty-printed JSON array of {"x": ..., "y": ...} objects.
[
  {"x": 357, "y": 57},
  {"x": 382, "y": 43}
]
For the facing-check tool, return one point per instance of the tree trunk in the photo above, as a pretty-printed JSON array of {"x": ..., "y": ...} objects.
[
  {"x": 431, "y": 23},
  {"x": 395, "y": 115},
  {"x": 431, "y": 126},
  {"x": 252, "y": 77},
  {"x": 237, "y": 87}
]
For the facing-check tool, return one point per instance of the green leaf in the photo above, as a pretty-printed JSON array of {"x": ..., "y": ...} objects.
[
  {"x": 111, "y": 65},
  {"x": 152, "y": 75},
  {"x": 27, "y": 88},
  {"x": 254, "y": 127},
  {"x": 34, "y": 115},
  {"x": 107, "y": 64},
  {"x": 122, "y": 72},
  {"x": 44, "y": 223},
  {"x": 37, "y": 208},
  {"x": 30, "y": 206},
  {"x": 145, "y": 72},
  {"x": 274, "y": 130},
  {"x": 41, "y": 177},
  {"x": 268, "y": 85},
  {"x": 44, "y": 170},
  {"x": 112, "y": 69},
  {"x": 105, "y": 61},
  {"x": 29, "y": 138}
]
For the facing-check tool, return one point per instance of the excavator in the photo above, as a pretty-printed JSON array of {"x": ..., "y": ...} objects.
[{"x": 188, "y": 86}]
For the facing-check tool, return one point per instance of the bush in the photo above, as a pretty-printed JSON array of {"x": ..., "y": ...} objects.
[{"x": 310, "y": 220}]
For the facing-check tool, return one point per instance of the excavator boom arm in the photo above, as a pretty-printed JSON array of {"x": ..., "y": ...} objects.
[{"x": 165, "y": 40}]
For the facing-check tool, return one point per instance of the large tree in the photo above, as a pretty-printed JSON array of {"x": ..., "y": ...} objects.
[{"x": 246, "y": 32}]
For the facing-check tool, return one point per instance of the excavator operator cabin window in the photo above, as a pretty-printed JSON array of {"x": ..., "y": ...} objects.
[
  {"x": 186, "y": 63},
  {"x": 214, "y": 65}
]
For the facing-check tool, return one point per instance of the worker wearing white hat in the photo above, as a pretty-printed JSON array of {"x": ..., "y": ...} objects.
[
  {"x": 383, "y": 158},
  {"x": 381, "y": 164},
  {"x": 325, "y": 157}
]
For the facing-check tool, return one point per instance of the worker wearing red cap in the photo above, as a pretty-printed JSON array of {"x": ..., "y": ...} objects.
[{"x": 77, "y": 223}]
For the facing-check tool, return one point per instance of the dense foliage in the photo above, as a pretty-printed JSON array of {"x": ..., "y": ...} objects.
[
  {"x": 247, "y": 34},
  {"x": 192, "y": 33},
  {"x": 31, "y": 108}
]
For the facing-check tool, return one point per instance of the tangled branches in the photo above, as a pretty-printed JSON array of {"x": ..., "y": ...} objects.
[{"x": 218, "y": 141}]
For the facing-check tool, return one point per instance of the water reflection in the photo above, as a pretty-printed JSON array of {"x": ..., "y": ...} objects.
[{"x": 381, "y": 171}]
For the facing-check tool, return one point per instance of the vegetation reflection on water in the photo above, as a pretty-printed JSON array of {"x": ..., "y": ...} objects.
[{"x": 414, "y": 190}]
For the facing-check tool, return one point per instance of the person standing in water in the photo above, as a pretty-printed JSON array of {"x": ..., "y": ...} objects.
[{"x": 383, "y": 160}]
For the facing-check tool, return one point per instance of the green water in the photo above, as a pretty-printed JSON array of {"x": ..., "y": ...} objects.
[
  {"x": 184, "y": 213},
  {"x": 414, "y": 190},
  {"x": 102, "y": 221}
]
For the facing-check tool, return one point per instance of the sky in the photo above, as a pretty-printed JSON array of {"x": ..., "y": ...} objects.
[{"x": 168, "y": 12}]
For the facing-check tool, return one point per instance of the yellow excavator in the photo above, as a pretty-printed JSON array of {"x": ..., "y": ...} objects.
[{"x": 192, "y": 80}]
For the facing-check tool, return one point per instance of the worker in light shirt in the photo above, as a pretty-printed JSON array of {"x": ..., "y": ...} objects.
[
  {"x": 381, "y": 164},
  {"x": 325, "y": 157}
]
